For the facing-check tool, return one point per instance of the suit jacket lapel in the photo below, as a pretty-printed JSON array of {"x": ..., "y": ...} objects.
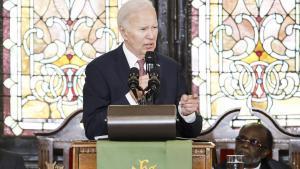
[{"x": 122, "y": 65}]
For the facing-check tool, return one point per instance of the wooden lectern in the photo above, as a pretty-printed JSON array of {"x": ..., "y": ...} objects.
[{"x": 84, "y": 155}]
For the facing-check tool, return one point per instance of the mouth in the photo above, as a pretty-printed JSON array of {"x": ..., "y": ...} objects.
[{"x": 149, "y": 46}]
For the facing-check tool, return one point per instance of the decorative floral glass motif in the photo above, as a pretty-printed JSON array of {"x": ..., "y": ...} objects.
[
  {"x": 246, "y": 53},
  {"x": 47, "y": 44}
]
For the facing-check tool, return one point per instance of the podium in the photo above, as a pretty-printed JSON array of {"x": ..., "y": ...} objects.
[{"x": 84, "y": 155}]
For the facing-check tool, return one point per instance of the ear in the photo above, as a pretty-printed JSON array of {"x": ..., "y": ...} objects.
[{"x": 123, "y": 32}]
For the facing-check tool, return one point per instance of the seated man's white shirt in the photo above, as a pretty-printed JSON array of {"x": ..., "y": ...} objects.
[{"x": 132, "y": 61}]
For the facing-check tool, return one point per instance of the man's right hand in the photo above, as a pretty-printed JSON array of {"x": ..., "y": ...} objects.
[{"x": 189, "y": 104}]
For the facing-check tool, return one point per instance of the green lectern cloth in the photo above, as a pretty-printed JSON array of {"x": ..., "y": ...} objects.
[{"x": 176, "y": 154}]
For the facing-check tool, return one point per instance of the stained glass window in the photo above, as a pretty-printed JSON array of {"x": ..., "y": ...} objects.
[
  {"x": 246, "y": 53},
  {"x": 47, "y": 44}
]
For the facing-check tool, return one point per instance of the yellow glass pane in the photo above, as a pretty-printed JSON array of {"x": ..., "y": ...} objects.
[{"x": 35, "y": 110}]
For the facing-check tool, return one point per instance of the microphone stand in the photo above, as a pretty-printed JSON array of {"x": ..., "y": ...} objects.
[
  {"x": 150, "y": 97},
  {"x": 147, "y": 98},
  {"x": 143, "y": 100}
]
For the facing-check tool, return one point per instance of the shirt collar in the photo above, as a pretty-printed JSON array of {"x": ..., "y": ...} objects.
[{"x": 131, "y": 58}]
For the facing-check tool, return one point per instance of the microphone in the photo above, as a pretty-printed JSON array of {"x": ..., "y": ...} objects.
[
  {"x": 153, "y": 83},
  {"x": 153, "y": 86},
  {"x": 133, "y": 79},
  {"x": 150, "y": 59},
  {"x": 153, "y": 71}
]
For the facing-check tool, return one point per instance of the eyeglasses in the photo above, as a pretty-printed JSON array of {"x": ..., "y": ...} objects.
[{"x": 252, "y": 142}]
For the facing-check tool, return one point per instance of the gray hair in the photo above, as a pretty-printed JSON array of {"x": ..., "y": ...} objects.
[{"x": 129, "y": 8}]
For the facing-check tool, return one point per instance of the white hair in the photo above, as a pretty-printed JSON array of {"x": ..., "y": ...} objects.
[{"x": 129, "y": 8}]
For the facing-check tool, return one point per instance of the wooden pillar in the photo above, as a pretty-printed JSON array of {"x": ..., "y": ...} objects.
[{"x": 173, "y": 33}]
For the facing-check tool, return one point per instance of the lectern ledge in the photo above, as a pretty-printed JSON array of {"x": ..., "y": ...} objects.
[{"x": 141, "y": 122}]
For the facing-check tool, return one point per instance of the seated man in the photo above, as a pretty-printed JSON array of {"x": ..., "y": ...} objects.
[
  {"x": 255, "y": 142},
  {"x": 10, "y": 161}
]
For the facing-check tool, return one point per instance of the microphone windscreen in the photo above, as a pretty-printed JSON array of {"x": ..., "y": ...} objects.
[
  {"x": 150, "y": 57},
  {"x": 154, "y": 72},
  {"x": 134, "y": 72}
]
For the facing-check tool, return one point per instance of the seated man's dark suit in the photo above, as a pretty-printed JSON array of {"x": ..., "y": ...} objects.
[
  {"x": 265, "y": 164},
  {"x": 106, "y": 84},
  {"x": 10, "y": 161}
]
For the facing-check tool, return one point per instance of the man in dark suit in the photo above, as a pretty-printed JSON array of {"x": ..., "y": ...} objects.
[
  {"x": 107, "y": 75},
  {"x": 10, "y": 161},
  {"x": 255, "y": 142}
]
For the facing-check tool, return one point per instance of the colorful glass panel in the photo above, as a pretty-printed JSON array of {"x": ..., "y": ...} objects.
[
  {"x": 47, "y": 44},
  {"x": 245, "y": 53}
]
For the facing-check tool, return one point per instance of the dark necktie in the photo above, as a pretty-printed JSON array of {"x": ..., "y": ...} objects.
[{"x": 141, "y": 65}]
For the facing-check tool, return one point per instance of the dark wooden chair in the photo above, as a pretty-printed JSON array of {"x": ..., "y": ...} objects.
[
  {"x": 286, "y": 144},
  {"x": 54, "y": 146}
]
